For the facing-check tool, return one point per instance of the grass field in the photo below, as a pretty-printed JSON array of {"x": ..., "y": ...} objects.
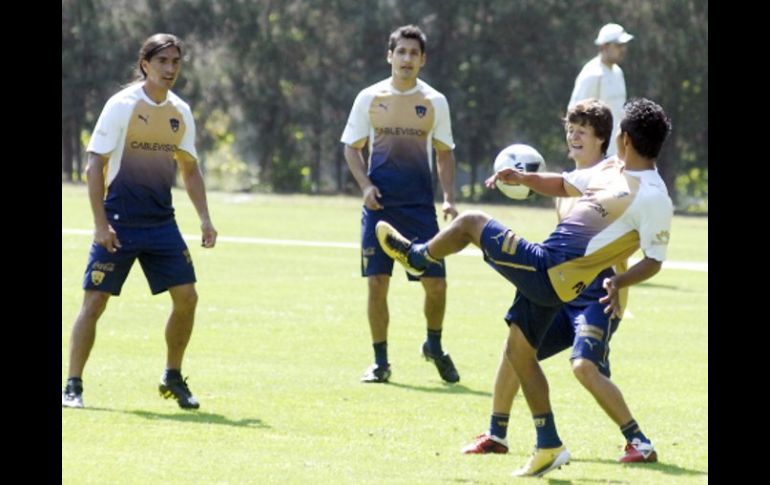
[{"x": 281, "y": 340}]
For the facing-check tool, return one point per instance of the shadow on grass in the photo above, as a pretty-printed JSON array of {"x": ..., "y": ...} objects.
[
  {"x": 666, "y": 468},
  {"x": 189, "y": 417},
  {"x": 473, "y": 481},
  {"x": 647, "y": 284},
  {"x": 444, "y": 389}
]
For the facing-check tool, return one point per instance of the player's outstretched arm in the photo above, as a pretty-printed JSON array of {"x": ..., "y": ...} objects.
[{"x": 551, "y": 184}]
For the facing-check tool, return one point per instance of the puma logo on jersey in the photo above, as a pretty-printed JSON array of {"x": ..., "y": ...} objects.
[{"x": 146, "y": 119}]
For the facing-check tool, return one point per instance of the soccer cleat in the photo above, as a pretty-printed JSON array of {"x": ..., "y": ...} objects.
[
  {"x": 446, "y": 368},
  {"x": 396, "y": 246},
  {"x": 376, "y": 373},
  {"x": 486, "y": 443},
  {"x": 72, "y": 396},
  {"x": 637, "y": 451},
  {"x": 177, "y": 388},
  {"x": 542, "y": 461}
]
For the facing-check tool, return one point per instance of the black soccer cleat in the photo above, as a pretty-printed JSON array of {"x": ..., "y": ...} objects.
[
  {"x": 177, "y": 388},
  {"x": 376, "y": 374},
  {"x": 72, "y": 396},
  {"x": 446, "y": 368}
]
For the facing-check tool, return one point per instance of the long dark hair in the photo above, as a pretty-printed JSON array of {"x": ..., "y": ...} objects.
[{"x": 154, "y": 44}]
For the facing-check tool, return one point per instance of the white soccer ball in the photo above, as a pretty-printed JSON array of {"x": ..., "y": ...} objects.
[{"x": 523, "y": 158}]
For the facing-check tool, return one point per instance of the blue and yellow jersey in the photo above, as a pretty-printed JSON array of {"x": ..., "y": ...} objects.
[
  {"x": 141, "y": 138},
  {"x": 595, "y": 290},
  {"x": 400, "y": 128},
  {"x": 614, "y": 216}
]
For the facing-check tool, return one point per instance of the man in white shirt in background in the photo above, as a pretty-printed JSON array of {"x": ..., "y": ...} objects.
[{"x": 602, "y": 78}]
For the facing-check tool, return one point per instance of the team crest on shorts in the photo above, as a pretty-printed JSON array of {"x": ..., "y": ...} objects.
[{"x": 97, "y": 277}]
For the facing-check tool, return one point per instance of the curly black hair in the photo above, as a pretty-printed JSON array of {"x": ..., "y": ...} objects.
[{"x": 646, "y": 124}]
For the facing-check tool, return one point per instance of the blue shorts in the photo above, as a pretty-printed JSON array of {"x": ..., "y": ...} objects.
[
  {"x": 526, "y": 266},
  {"x": 522, "y": 263},
  {"x": 162, "y": 253},
  {"x": 417, "y": 223},
  {"x": 534, "y": 320},
  {"x": 587, "y": 329}
]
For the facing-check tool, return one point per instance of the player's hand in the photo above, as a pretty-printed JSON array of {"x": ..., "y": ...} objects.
[
  {"x": 449, "y": 210},
  {"x": 106, "y": 237},
  {"x": 612, "y": 299},
  {"x": 506, "y": 175},
  {"x": 371, "y": 194},
  {"x": 208, "y": 235}
]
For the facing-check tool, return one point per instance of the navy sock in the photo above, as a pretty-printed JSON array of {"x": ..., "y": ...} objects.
[
  {"x": 175, "y": 374},
  {"x": 419, "y": 257},
  {"x": 381, "y": 353},
  {"x": 434, "y": 342},
  {"x": 545, "y": 426},
  {"x": 632, "y": 430},
  {"x": 75, "y": 383},
  {"x": 498, "y": 425}
]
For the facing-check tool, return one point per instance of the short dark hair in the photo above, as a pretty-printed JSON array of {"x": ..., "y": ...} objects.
[
  {"x": 595, "y": 114},
  {"x": 407, "y": 32},
  {"x": 154, "y": 44},
  {"x": 646, "y": 124}
]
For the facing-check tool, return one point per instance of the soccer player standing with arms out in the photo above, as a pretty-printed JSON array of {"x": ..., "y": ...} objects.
[
  {"x": 403, "y": 120},
  {"x": 143, "y": 133}
]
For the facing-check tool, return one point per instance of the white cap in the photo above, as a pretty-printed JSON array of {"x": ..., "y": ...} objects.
[{"x": 612, "y": 33}]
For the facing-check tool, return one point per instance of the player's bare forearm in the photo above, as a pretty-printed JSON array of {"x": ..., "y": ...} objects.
[
  {"x": 445, "y": 166},
  {"x": 550, "y": 184},
  {"x": 196, "y": 190},
  {"x": 104, "y": 234},
  {"x": 641, "y": 271},
  {"x": 355, "y": 160},
  {"x": 195, "y": 186},
  {"x": 95, "y": 175},
  {"x": 357, "y": 165}
]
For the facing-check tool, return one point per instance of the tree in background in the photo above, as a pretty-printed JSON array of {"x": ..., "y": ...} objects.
[{"x": 272, "y": 80}]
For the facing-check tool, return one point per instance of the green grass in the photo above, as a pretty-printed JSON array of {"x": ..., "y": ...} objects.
[{"x": 281, "y": 340}]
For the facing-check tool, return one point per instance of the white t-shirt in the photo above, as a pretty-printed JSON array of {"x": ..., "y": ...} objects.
[{"x": 607, "y": 84}]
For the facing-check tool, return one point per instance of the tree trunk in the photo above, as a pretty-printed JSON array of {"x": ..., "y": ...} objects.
[{"x": 66, "y": 152}]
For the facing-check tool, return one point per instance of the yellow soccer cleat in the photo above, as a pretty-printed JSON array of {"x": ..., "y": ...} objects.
[
  {"x": 542, "y": 461},
  {"x": 396, "y": 246}
]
